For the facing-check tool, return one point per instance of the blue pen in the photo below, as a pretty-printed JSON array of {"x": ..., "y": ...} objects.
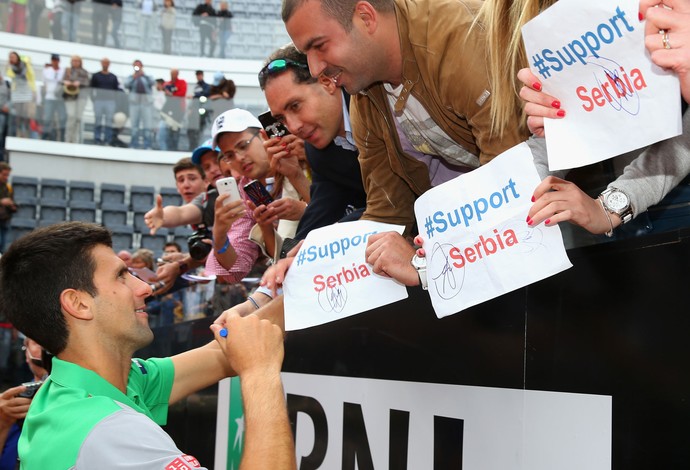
[{"x": 223, "y": 332}]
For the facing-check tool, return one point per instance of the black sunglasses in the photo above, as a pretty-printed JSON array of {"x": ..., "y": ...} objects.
[{"x": 278, "y": 65}]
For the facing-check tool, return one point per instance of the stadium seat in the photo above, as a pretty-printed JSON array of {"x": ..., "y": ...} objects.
[
  {"x": 170, "y": 197},
  {"x": 82, "y": 191},
  {"x": 20, "y": 226},
  {"x": 155, "y": 242},
  {"x": 113, "y": 214},
  {"x": 112, "y": 193},
  {"x": 53, "y": 210},
  {"x": 123, "y": 237},
  {"x": 84, "y": 211},
  {"x": 141, "y": 196},
  {"x": 181, "y": 234},
  {"x": 55, "y": 189},
  {"x": 25, "y": 186},
  {"x": 26, "y": 207}
]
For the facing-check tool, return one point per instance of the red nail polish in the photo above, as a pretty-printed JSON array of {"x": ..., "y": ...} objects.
[
  {"x": 536, "y": 86},
  {"x": 529, "y": 221},
  {"x": 556, "y": 104},
  {"x": 533, "y": 199},
  {"x": 560, "y": 113},
  {"x": 640, "y": 16},
  {"x": 546, "y": 222}
]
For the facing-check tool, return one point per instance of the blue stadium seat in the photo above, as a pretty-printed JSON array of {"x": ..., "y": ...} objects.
[
  {"x": 113, "y": 214},
  {"x": 25, "y": 186},
  {"x": 155, "y": 242},
  {"x": 114, "y": 193},
  {"x": 53, "y": 210},
  {"x": 181, "y": 234},
  {"x": 123, "y": 237},
  {"x": 27, "y": 207},
  {"x": 84, "y": 211},
  {"x": 82, "y": 191},
  {"x": 141, "y": 196},
  {"x": 170, "y": 196},
  {"x": 19, "y": 227},
  {"x": 55, "y": 189}
]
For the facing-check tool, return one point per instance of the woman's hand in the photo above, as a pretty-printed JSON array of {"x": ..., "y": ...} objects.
[
  {"x": 538, "y": 105},
  {"x": 557, "y": 200}
]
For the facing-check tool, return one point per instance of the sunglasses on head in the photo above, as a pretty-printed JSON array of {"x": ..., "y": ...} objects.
[{"x": 278, "y": 65}]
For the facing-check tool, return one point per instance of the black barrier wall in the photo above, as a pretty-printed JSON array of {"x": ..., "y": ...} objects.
[{"x": 615, "y": 324}]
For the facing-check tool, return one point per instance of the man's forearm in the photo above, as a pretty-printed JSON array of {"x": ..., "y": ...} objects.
[{"x": 268, "y": 436}]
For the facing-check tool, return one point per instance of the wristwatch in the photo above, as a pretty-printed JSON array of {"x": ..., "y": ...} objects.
[
  {"x": 617, "y": 202},
  {"x": 419, "y": 264}
]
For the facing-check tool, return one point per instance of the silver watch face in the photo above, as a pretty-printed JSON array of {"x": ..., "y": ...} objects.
[
  {"x": 418, "y": 263},
  {"x": 617, "y": 201}
]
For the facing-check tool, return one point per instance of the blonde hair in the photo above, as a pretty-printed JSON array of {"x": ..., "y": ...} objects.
[{"x": 503, "y": 21}]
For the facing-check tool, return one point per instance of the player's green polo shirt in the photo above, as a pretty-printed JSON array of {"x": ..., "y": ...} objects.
[{"x": 74, "y": 400}]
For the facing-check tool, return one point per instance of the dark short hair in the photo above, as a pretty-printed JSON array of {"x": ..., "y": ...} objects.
[
  {"x": 38, "y": 267},
  {"x": 199, "y": 72},
  {"x": 5, "y": 166},
  {"x": 340, "y": 10},
  {"x": 175, "y": 244},
  {"x": 299, "y": 74},
  {"x": 186, "y": 163}
]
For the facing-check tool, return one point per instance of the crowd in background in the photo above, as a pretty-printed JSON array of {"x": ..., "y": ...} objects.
[
  {"x": 49, "y": 103},
  {"x": 63, "y": 20}
]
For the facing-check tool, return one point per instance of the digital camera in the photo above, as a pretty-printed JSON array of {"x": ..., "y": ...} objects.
[{"x": 199, "y": 250}]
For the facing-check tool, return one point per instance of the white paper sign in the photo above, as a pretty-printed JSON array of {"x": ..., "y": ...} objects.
[
  {"x": 590, "y": 55},
  {"x": 330, "y": 278},
  {"x": 477, "y": 241}
]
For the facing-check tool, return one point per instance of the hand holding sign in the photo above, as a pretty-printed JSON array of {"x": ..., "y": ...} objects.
[{"x": 596, "y": 66}]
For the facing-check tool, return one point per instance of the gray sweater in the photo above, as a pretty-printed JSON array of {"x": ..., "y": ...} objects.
[{"x": 650, "y": 174}]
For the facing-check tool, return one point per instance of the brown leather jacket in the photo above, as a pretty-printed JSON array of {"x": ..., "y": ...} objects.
[{"x": 445, "y": 69}]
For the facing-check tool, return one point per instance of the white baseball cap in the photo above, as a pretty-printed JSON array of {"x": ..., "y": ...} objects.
[{"x": 234, "y": 120}]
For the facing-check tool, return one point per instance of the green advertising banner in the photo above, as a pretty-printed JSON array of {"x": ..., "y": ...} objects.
[{"x": 235, "y": 426}]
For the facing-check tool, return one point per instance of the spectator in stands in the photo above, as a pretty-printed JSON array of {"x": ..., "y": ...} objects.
[
  {"x": 203, "y": 17},
  {"x": 171, "y": 248},
  {"x": 221, "y": 96},
  {"x": 147, "y": 8},
  {"x": 239, "y": 136},
  {"x": 126, "y": 257},
  {"x": 56, "y": 20},
  {"x": 75, "y": 92},
  {"x": 172, "y": 114},
  {"x": 140, "y": 88},
  {"x": 89, "y": 312},
  {"x": 143, "y": 258},
  {"x": 35, "y": 11},
  {"x": 322, "y": 119},
  {"x": 13, "y": 406},
  {"x": 4, "y": 113},
  {"x": 116, "y": 21},
  {"x": 197, "y": 113},
  {"x": 224, "y": 26},
  {"x": 7, "y": 204},
  {"x": 189, "y": 179},
  {"x": 16, "y": 21},
  {"x": 104, "y": 86},
  {"x": 22, "y": 94},
  {"x": 100, "y": 14},
  {"x": 70, "y": 18},
  {"x": 168, "y": 15},
  {"x": 53, "y": 102}
]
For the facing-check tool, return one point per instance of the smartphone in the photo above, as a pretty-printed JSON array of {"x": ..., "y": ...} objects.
[
  {"x": 257, "y": 193},
  {"x": 273, "y": 127},
  {"x": 31, "y": 389},
  {"x": 145, "y": 274},
  {"x": 228, "y": 186}
]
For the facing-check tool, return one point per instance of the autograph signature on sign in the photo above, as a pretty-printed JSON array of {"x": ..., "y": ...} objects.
[{"x": 448, "y": 263}]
